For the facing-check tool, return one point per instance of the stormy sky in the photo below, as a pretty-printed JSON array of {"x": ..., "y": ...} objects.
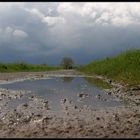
[{"x": 41, "y": 33}]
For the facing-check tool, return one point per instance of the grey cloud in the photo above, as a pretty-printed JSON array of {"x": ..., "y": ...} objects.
[{"x": 80, "y": 37}]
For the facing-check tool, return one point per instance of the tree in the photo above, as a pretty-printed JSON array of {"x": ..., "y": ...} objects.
[{"x": 67, "y": 63}]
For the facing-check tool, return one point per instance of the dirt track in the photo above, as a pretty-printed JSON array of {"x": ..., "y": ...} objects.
[{"x": 35, "y": 119}]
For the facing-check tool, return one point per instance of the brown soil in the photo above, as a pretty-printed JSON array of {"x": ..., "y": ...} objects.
[{"x": 36, "y": 119}]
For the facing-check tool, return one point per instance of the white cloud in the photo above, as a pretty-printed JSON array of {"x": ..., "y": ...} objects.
[
  {"x": 20, "y": 33},
  {"x": 36, "y": 12},
  {"x": 53, "y": 20},
  {"x": 116, "y": 14},
  {"x": 65, "y": 7},
  {"x": 6, "y": 33},
  {"x": 50, "y": 20},
  {"x": 8, "y": 30},
  {"x": 50, "y": 10},
  {"x": 124, "y": 21}
]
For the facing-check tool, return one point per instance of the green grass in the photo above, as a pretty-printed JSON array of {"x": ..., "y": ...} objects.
[
  {"x": 123, "y": 68},
  {"x": 23, "y": 67},
  {"x": 98, "y": 83}
]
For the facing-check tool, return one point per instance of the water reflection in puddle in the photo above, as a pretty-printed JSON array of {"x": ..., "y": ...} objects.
[{"x": 56, "y": 88}]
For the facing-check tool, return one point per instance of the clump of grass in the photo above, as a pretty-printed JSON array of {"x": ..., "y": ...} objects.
[
  {"x": 124, "y": 67},
  {"x": 23, "y": 67}
]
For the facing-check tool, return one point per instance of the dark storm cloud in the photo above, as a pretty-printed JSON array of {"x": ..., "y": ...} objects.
[{"x": 46, "y": 32}]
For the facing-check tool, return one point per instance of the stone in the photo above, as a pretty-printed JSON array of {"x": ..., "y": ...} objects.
[
  {"x": 75, "y": 107},
  {"x": 109, "y": 93},
  {"x": 25, "y": 105},
  {"x": 97, "y": 118},
  {"x": 32, "y": 97},
  {"x": 3, "y": 95},
  {"x": 110, "y": 81},
  {"x": 70, "y": 101},
  {"x": 64, "y": 100},
  {"x": 45, "y": 102},
  {"x": 82, "y": 95},
  {"x": 135, "y": 88},
  {"x": 105, "y": 99},
  {"x": 116, "y": 117},
  {"x": 98, "y": 96},
  {"x": 66, "y": 108}
]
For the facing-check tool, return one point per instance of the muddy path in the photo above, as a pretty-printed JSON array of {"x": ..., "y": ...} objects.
[
  {"x": 36, "y": 119},
  {"x": 25, "y": 75}
]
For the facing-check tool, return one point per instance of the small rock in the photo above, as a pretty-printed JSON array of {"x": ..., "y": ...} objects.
[
  {"x": 116, "y": 117},
  {"x": 38, "y": 115},
  {"x": 129, "y": 122},
  {"x": 45, "y": 102},
  {"x": 32, "y": 97},
  {"x": 75, "y": 107},
  {"x": 82, "y": 95},
  {"x": 66, "y": 108},
  {"x": 109, "y": 93},
  {"x": 97, "y": 118},
  {"x": 117, "y": 95},
  {"x": 70, "y": 101},
  {"x": 110, "y": 81},
  {"x": 105, "y": 99},
  {"x": 135, "y": 88},
  {"x": 11, "y": 122},
  {"x": 137, "y": 103},
  {"x": 98, "y": 96},
  {"x": 67, "y": 113},
  {"x": 3, "y": 95},
  {"x": 25, "y": 105},
  {"x": 63, "y": 100}
]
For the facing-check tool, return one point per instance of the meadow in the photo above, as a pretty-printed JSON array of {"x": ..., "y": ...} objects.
[
  {"x": 124, "y": 67},
  {"x": 24, "y": 67}
]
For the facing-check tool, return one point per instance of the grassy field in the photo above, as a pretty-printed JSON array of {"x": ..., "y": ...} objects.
[
  {"x": 23, "y": 67},
  {"x": 123, "y": 68}
]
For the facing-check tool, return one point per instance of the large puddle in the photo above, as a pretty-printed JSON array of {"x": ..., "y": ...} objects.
[{"x": 56, "y": 88}]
